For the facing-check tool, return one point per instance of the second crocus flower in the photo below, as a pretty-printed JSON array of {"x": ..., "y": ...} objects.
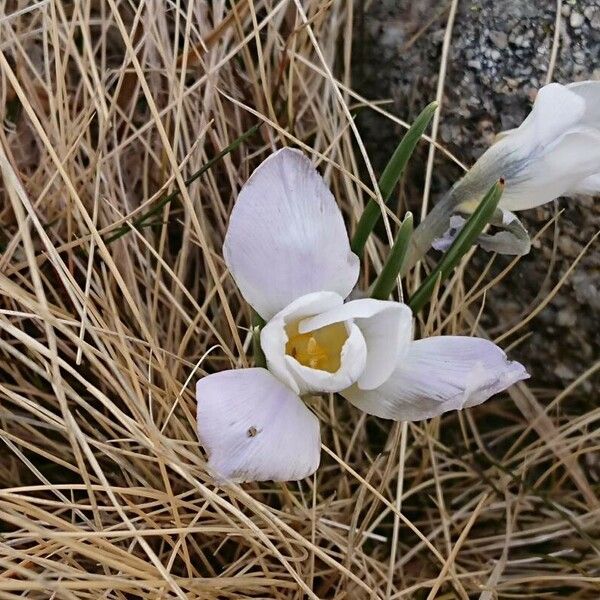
[{"x": 554, "y": 152}]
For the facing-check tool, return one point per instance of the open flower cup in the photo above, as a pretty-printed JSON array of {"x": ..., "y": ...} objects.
[{"x": 289, "y": 253}]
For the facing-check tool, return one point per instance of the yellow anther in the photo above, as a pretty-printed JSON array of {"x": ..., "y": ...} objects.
[{"x": 318, "y": 349}]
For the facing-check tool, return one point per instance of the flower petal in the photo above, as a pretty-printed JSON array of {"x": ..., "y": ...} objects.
[
  {"x": 570, "y": 160},
  {"x": 386, "y": 328},
  {"x": 589, "y": 185},
  {"x": 286, "y": 236},
  {"x": 439, "y": 374},
  {"x": 273, "y": 336},
  {"x": 254, "y": 428},
  {"x": 447, "y": 239},
  {"x": 556, "y": 109},
  {"x": 590, "y": 92},
  {"x": 519, "y": 153},
  {"x": 513, "y": 240}
]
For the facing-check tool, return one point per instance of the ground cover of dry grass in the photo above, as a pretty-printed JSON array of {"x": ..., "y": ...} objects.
[{"x": 106, "y": 106}]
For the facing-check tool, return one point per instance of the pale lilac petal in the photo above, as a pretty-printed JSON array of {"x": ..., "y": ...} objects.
[
  {"x": 455, "y": 226},
  {"x": 506, "y": 242},
  {"x": 273, "y": 336},
  {"x": 286, "y": 236},
  {"x": 557, "y": 146},
  {"x": 524, "y": 156},
  {"x": 508, "y": 217},
  {"x": 555, "y": 110},
  {"x": 254, "y": 428},
  {"x": 513, "y": 240},
  {"x": 439, "y": 374},
  {"x": 386, "y": 328}
]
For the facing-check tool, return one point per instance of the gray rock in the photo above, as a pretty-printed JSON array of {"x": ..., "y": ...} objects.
[
  {"x": 576, "y": 20},
  {"x": 499, "y": 39},
  {"x": 566, "y": 318},
  {"x": 564, "y": 372}
]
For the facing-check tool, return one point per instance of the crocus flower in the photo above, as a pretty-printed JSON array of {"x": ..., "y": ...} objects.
[
  {"x": 554, "y": 152},
  {"x": 289, "y": 253}
]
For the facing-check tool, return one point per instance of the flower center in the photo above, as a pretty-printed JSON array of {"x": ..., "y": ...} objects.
[{"x": 319, "y": 349}]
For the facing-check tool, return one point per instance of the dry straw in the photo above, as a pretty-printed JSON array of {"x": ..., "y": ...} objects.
[{"x": 106, "y": 105}]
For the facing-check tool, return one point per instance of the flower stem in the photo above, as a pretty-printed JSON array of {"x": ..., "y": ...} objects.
[{"x": 465, "y": 239}]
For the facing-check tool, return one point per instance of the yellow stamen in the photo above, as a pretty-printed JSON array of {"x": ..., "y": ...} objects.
[{"x": 319, "y": 349}]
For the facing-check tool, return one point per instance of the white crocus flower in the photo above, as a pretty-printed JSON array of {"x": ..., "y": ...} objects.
[
  {"x": 288, "y": 251},
  {"x": 554, "y": 152}
]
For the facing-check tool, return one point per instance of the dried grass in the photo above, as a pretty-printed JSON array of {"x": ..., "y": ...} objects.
[{"x": 103, "y": 487}]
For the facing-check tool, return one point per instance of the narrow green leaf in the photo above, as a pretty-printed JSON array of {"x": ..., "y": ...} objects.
[
  {"x": 257, "y": 324},
  {"x": 390, "y": 176},
  {"x": 465, "y": 239},
  {"x": 384, "y": 285},
  {"x": 140, "y": 221}
]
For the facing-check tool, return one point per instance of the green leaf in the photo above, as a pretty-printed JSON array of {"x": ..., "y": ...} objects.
[
  {"x": 141, "y": 221},
  {"x": 465, "y": 239},
  {"x": 257, "y": 324},
  {"x": 384, "y": 285},
  {"x": 390, "y": 176}
]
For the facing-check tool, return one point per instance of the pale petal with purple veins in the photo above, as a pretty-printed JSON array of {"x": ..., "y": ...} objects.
[{"x": 565, "y": 164}]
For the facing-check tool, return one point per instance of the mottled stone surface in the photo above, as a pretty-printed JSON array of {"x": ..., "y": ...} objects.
[{"x": 499, "y": 58}]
